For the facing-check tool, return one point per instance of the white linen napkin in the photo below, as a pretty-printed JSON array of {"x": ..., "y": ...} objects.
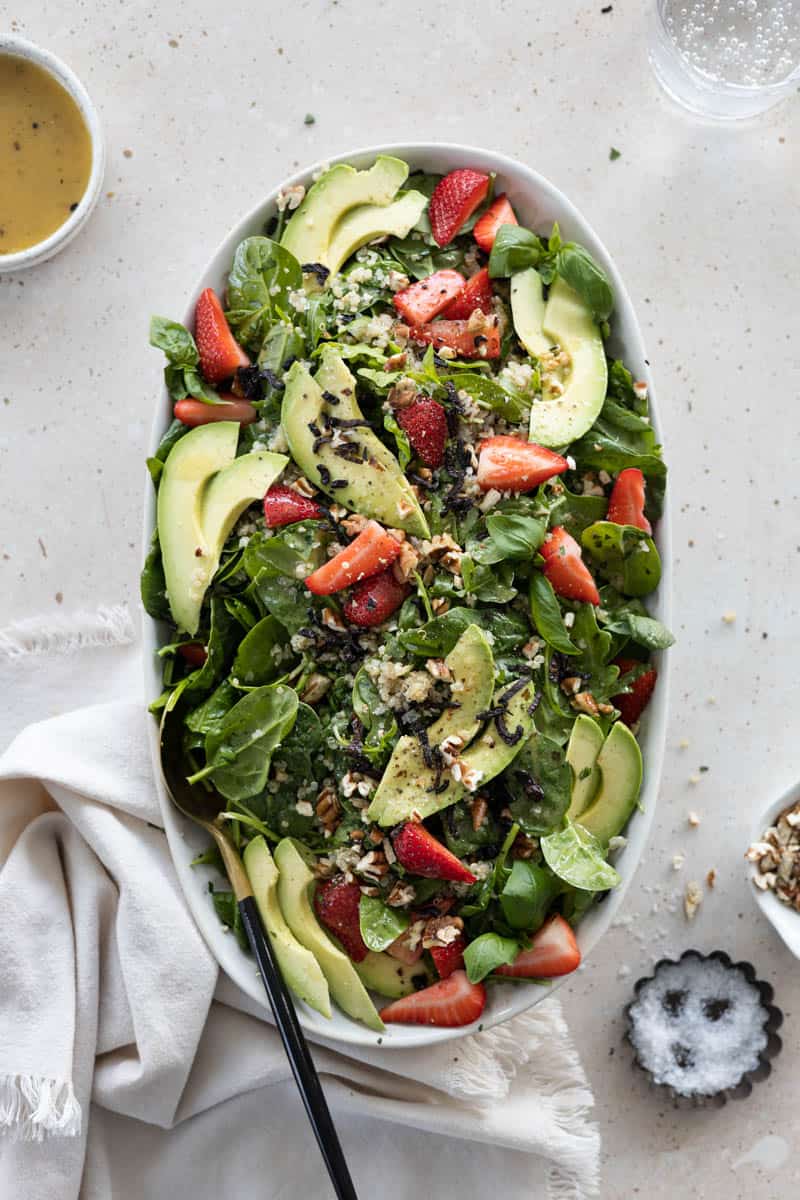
[{"x": 129, "y": 1066}]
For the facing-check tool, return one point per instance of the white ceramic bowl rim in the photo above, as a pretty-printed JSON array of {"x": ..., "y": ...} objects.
[
  {"x": 537, "y": 202},
  {"x": 29, "y": 257}
]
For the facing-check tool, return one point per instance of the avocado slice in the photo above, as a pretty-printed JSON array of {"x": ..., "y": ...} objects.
[
  {"x": 404, "y": 786},
  {"x": 620, "y": 765},
  {"x": 566, "y": 321},
  {"x": 309, "y": 231},
  {"x": 299, "y": 968},
  {"x": 295, "y": 881},
  {"x": 191, "y": 462},
  {"x": 585, "y": 743},
  {"x": 376, "y": 487},
  {"x": 389, "y": 977},
  {"x": 364, "y": 224}
]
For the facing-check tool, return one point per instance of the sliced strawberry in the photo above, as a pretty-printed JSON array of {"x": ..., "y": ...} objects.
[
  {"x": 373, "y": 601},
  {"x": 454, "y": 200},
  {"x": 633, "y": 703},
  {"x": 512, "y": 464},
  {"x": 220, "y": 353},
  {"x": 420, "y": 853},
  {"x": 283, "y": 506},
  {"x": 450, "y": 958},
  {"x": 626, "y": 506},
  {"x": 476, "y": 293},
  {"x": 371, "y": 552},
  {"x": 457, "y": 336},
  {"x": 498, "y": 213},
  {"x": 553, "y": 951},
  {"x": 194, "y": 653},
  {"x": 425, "y": 422},
  {"x": 407, "y": 948},
  {"x": 450, "y": 1002},
  {"x": 197, "y": 412},
  {"x": 425, "y": 299},
  {"x": 565, "y": 568},
  {"x": 337, "y": 903}
]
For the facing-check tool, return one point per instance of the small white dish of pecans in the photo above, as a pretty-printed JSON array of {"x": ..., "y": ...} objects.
[{"x": 774, "y": 861}]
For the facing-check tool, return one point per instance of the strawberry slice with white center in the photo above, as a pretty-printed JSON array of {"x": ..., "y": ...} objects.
[
  {"x": 450, "y": 1003},
  {"x": 498, "y": 213},
  {"x": 448, "y": 959},
  {"x": 454, "y": 200},
  {"x": 512, "y": 464},
  {"x": 553, "y": 952},
  {"x": 220, "y": 353},
  {"x": 565, "y": 568},
  {"x": 372, "y": 552},
  {"x": 425, "y": 299}
]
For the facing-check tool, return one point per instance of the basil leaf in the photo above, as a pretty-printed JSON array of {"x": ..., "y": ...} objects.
[
  {"x": 626, "y": 555},
  {"x": 527, "y": 895},
  {"x": 239, "y": 750},
  {"x": 262, "y": 276},
  {"x": 514, "y": 249},
  {"x": 574, "y": 512},
  {"x": 181, "y": 375},
  {"x": 510, "y": 536},
  {"x": 379, "y": 924},
  {"x": 487, "y": 952},
  {"x": 539, "y": 782},
  {"x": 576, "y": 856},
  {"x": 596, "y": 648},
  {"x": 576, "y": 267},
  {"x": 644, "y": 630},
  {"x": 547, "y": 616},
  {"x": 487, "y": 585}
]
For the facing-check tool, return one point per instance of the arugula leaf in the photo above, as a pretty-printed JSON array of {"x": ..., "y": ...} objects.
[
  {"x": 487, "y": 952},
  {"x": 181, "y": 375},
  {"x": 261, "y": 277},
  {"x": 486, "y": 584},
  {"x": 540, "y": 784},
  {"x": 436, "y": 638},
  {"x": 626, "y": 555},
  {"x": 576, "y": 267},
  {"x": 379, "y": 924},
  {"x": 547, "y": 615},
  {"x": 239, "y": 750},
  {"x": 490, "y": 394},
  {"x": 576, "y": 856},
  {"x": 527, "y": 895},
  {"x": 511, "y": 535},
  {"x": 514, "y": 249}
]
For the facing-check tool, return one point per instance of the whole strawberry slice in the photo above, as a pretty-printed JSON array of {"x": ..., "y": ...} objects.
[
  {"x": 454, "y": 200},
  {"x": 220, "y": 353},
  {"x": 197, "y": 412},
  {"x": 372, "y": 551},
  {"x": 425, "y": 299},
  {"x": 336, "y": 903},
  {"x": 374, "y": 600},
  {"x": 512, "y": 464},
  {"x": 425, "y": 423},
  {"x": 450, "y": 958},
  {"x": 633, "y": 703},
  {"x": 565, "y": 568},
  {"x": 458, "y": 336},
  {"x": 626, "y": 505},
  {"x": 476, "y": 293},
  {"x": 498, "y": 213},
  {"x": 283, "y": 506},
  {"x": 553, "y": 951},
  {"x": 420, "y": 853},
  {"x": 449, "y": 1003}
]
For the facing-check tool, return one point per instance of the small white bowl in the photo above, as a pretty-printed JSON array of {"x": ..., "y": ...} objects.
[
  {"x": 38, "y": 253},
  {"x": 785, "y": 920}
]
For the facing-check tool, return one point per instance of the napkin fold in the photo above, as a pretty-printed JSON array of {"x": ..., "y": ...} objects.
[{"x": 131, "y": 1066}]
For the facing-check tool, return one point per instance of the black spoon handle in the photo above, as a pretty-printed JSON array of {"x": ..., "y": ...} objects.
[{"x": 297, "y": 1051}]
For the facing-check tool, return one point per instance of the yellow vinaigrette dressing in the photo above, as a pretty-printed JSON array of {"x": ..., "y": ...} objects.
[{"x": 45, "y": 154}]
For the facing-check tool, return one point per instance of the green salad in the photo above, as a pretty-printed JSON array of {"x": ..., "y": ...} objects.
[{"x": 404, "y": 541}]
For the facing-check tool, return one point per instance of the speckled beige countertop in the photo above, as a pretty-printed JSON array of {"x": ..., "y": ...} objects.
[{"x": 204, "y": 109}]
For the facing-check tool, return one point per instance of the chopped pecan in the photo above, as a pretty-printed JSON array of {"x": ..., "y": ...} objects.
[
  {"x": 373, "y": 865},
  {"x": 479, "y": 810},
  {"x": 441, "y": 931},
  {"x": 586, "y": 703},
  {"x": 316, "y": 687},
  {"x": 524, "y": 847},
  {"x": 328, "y": 809}
]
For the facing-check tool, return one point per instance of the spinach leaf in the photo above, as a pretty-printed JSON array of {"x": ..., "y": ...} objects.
[
  {"x": 627, "y": 556},
  {"x": 576, "y": 856},
  {"x": 239, "y": 750},
  {"x": 514, "y": 249},
  {"x": 413, "y": 256},
  {"x": 596, "y": 648},
  {"x": 547, "y": 615},
  {"x": 207, "y": 716},
  {"x": 490, "y": 394},
  {"x": 153, "y": 585},
  {"x": 461, "y": 836},
  {"x": 487, "y": 952},
  {"x": 175, "y": 432},
  {"x": 400, "y": 436},
  {"x": 510, "y": 536},
  {"x": 645, "y": 630},
  {"x": 227, "y": 909},
  {"x": 380, "y": 727},
  {"x": 241, "y": 612},
  {"x": 527, "y": 895},
  {"x": 540, "y": 784},
  {"x": 576, "y": 267},
  {"x": 262, "y": 276},
  {"x": 220, "y": 644},
  {"x": 294, "y": 551},
  {"x": 287, "y": 599},
  {"x": 436, "y": 638},
  {"x": 295, "y": 769},
  {"x": 182, "y": 373},
  {"x": 261, "y": 653},
  {"x": 379, "y": 924}
]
